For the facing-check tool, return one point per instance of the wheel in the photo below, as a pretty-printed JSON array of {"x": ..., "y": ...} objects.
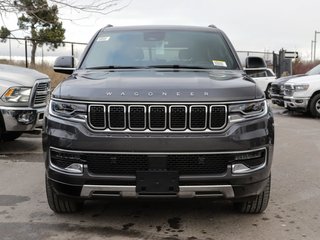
[
  {"x": 10, "y": 136},
  {"x": 60, "y": 204},
  {"x": 315, "y": 105},
  {"x": 268, "y": 92},
  {"x": 258, "y": 205}
]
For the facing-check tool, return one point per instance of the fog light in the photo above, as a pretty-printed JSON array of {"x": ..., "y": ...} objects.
[
  {"x": 75, "y": 168},
  {"x": 26, "y": 118},
  {"x": 240, "y": 168}
]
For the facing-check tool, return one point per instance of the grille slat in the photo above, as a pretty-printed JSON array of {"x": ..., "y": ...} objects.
[
  {"x": 158, "y": 117},
  {"x": 41, "y": 93}
]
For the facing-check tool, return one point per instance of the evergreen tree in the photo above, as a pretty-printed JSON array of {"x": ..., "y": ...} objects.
[{"x": 42, "y": 21}]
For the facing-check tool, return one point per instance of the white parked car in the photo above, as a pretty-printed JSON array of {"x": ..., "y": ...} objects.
[
  {"x": 303, "y": 94},
  {"x": 263, "y": 77}
]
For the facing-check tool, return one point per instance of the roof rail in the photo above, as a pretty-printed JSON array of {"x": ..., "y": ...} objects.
[
  {"x": 212, "y": 26},
  {"x": 109, "y": 25}
]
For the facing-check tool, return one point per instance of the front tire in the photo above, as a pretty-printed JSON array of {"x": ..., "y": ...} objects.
[
  {"x": 315, "y": 106},
  {"x": 10, "y": 136},
  {"x": 258, "y": 205},
  {"x": 60, "y": 204}
]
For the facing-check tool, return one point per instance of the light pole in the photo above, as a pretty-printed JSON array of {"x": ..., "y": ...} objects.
[
  {"x": 315, "y": 44},
  {"x": 312, "y": 42}
]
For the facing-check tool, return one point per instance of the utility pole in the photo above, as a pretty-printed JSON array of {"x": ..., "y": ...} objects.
[
  {"x": 312, "y": 42},
  {"x": 315, "y": 45}
]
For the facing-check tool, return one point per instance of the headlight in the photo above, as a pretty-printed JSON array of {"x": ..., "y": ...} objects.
[
  {"x": 17, "y": 95},
  {"x": 301, "y": 87},
  {"x": 68, "y": 110},
  {"x": 248, "y": 110}
]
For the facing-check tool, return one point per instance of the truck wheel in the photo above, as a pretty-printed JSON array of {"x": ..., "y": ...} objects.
[
  {"x": 257, "y": 205},
  {"x": 315, "y": 105},
  {"x": 10, "y": 136},
  {"x": 60, "y": 204}
]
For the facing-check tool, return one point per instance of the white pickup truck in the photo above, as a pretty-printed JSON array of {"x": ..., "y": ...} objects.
[
  {"x": 303, "y": 94},
  {"x": 23, "y": 98}
]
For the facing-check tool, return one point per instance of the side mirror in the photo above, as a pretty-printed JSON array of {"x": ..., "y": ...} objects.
[
  {"x": 255, "y": 62},
  {"x": 64, "y": 65}
]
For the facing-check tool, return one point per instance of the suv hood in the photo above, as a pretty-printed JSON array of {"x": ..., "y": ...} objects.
[
  {"x": 157, "y": 85},
  {"x": 13, "y": 75},
  {"x": 283, "y": 80}
]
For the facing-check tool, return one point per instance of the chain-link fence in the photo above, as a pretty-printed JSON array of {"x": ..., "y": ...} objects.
[{"x": 19, "y": 50}]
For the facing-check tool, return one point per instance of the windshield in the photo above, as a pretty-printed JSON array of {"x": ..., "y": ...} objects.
[
  {"x": 314, "y": 71},
  {"x": 160, "y": 48}
]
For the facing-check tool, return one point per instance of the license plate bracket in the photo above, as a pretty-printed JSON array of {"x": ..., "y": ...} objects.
[{"x": 157, "y": 182}]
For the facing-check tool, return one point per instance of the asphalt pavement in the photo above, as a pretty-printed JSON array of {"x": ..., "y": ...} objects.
[{"x": 293, "y": 212}]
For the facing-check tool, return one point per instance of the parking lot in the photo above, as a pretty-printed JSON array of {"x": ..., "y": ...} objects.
[{"x": 293, "y": 212}]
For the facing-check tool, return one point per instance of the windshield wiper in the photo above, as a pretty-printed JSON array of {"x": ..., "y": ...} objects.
[
  {"x": 116, "y": 67},
  {"x": 177, "y": 66}
]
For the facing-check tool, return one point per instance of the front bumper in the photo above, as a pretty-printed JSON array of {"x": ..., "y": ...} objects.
[
  {"x": 239, "y": 137},
  {"x": 22, "y": 119},
  {"x": 296, "y": 103}
]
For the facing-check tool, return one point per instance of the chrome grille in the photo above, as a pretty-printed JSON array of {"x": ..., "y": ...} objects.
[
  {"x": 41, "y": 94},
  {"x": 171, "y": 117}
]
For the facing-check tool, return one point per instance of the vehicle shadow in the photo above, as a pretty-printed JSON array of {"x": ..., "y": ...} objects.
[{"x": 27, "y": 143}]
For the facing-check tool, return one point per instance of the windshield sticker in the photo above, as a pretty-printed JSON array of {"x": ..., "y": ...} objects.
[
  {"x": 219, "y": 63},
  {"x": 103, "y": 39}
]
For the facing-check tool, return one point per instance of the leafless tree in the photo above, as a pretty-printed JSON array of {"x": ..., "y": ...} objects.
[{"x": 88, "y": 6}]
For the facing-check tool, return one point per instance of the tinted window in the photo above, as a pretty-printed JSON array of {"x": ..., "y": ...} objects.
[{"x": 149, "y": 48}]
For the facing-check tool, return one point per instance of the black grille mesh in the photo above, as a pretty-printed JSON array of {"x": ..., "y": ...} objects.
[
  {"x": 157, "y": 117},
  {"x": 178, "y": 118},
  {"x": 218, "y": 116},
  {"x": 198, "y": 118},
  {"x": 184, "y": 164},
  {"x": 137, "y": 117},
  {"x": 97, "y": 116},
  {"x": 117, "y": 117},
  {"x": 129, "y": 164}
]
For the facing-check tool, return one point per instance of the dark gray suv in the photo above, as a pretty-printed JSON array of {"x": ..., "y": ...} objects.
[{"x": 158, "y": 111}]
